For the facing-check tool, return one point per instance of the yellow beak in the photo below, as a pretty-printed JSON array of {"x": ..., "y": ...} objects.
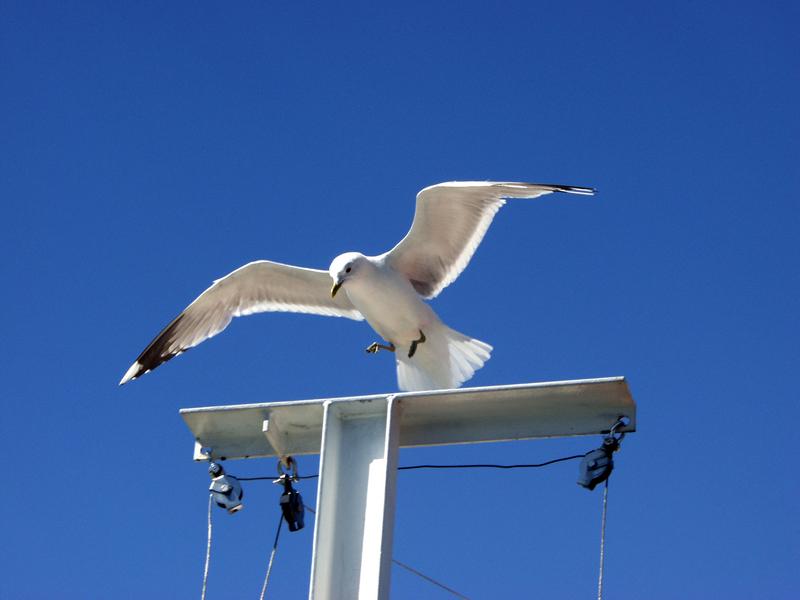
[{"x": 335, "y": 288}]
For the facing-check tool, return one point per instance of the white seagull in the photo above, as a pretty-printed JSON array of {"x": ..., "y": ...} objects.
[{"x": 386, "y": 290}]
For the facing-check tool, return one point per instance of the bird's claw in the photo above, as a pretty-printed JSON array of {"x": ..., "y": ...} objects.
[
  {"x": 415, "y": 343},
  {"x": 375, "y": 346}
]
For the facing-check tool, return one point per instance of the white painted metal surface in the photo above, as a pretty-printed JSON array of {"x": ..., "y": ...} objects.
[
  {"x": 466, "y": 415},
  {"x": 358, "y": 439},
  {"x": 352, "y": 556}
]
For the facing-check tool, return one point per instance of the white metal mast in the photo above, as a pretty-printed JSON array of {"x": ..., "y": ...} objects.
[{"x": 358, "y": 439}]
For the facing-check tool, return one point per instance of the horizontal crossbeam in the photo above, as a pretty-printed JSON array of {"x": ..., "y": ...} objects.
[{"x": 466, "y": 415}]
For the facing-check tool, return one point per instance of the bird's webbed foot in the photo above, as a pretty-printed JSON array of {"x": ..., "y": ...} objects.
[
  {"x": 375, "y": 346},
  {"x": 415, "y": 343}
]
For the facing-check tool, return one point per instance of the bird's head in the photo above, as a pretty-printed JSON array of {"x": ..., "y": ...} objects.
[{"x": 344, "y": 267}]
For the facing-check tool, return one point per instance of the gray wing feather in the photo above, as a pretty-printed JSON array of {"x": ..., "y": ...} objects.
[
  {"x": 259, "y": 286},
  {"x": 449, "y": 223}
]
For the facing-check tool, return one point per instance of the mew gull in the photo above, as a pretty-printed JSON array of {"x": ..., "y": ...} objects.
[{"x": 386, "y": 290}]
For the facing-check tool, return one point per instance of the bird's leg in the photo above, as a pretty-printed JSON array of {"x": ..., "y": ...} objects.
[
  {"x": 413, "y": 349},
  {"x": 375, "y": 346}
]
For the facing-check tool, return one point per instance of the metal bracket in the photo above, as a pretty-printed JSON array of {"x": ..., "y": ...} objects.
[
  {"x": 201, "y": 453},
  {"x": 277, "y": 438}
]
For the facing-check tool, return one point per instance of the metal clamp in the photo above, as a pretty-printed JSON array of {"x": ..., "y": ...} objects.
[
  {"x": 291, "y": 464},
  {"x": 622, "y": 421},
  {"x": 597, "y": 465}
]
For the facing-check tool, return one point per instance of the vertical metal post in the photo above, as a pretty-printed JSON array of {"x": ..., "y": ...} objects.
[{"x": 352, "y": 555}]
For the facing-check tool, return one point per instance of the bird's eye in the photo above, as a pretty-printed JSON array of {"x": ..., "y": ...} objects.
[{"x": 348, "y": 269}]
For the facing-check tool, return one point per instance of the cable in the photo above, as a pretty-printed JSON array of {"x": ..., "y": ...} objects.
[
  {"x": 271, "y": 558},
  {"x": 208, "y": 551},
  {"x": 430, "y": 579},
  {"x": 411, "y": 569},
  {"x": 492, "y": 466},
  {"x": 395, "y": 561},
  {"x": 471, "y": 466},
  {"x": 602, "y": 543},
  {"x": 273, "y": 478}
]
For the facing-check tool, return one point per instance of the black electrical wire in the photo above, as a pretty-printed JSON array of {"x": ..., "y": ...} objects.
[
  {"x": 469, "y": 466},
  {"x": 493, "y": 466},
  {"x": 273, "y": 478}
]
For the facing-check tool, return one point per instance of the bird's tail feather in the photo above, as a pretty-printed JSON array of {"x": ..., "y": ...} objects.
[{"x": 446, "y": 359}]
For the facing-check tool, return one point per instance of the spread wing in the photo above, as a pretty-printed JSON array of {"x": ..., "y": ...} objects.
[
  {"x": 449, "y": 223},
  {"x": 259, "y": 286}
]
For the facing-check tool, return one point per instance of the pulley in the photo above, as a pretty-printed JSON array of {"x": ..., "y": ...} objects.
[
  {"x": 597, "y": 465},
  {"x": 291, "y": 501},
  {"x": 225, "y": 489}
]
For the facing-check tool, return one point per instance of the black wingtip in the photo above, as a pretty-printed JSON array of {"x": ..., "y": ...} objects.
[
  {"x": 156, "y": 352},
  {"x": 575, "y": 189}
]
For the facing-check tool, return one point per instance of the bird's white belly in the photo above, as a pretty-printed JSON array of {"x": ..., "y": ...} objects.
[{"x": 392, "y": 307}]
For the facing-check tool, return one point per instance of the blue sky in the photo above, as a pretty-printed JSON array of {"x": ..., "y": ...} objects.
[{"x": 151, "y": 148}]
